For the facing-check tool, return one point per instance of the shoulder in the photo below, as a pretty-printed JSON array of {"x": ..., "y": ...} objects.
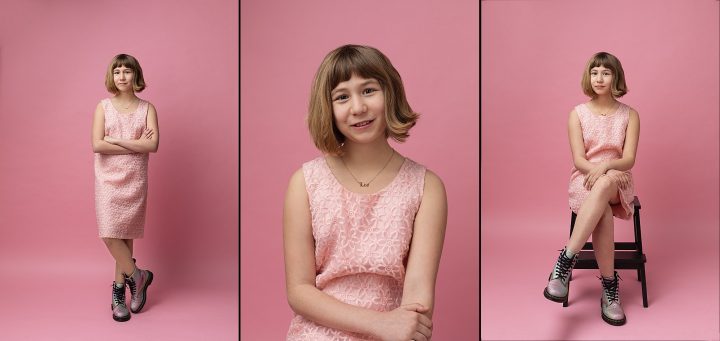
[
  {"x": 633, "y": 113},
  {"x": 577, "y": 110},
  {"x": 297, "y": 179},
  {"x": 100, "y": 107},
  {"x": 434, "y": 186},
  {"x": 151, "y": 107},
  {"x": 308, "y": 168}
]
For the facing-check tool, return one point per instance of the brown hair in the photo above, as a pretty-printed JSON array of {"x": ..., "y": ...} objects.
[
  {"x": 129, "y": 62},
  {"x": 618, "y": 88},
  {"x": 339, "y": 66}
]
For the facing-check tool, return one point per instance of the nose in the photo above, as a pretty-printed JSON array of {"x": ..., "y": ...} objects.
[{"x": 358, "y": 106}]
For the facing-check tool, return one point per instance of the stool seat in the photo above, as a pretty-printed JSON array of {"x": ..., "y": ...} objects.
[{"x": 628, "y": 255}]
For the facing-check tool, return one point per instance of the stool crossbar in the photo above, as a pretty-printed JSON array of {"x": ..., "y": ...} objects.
[{"x": 628, "y": 255}]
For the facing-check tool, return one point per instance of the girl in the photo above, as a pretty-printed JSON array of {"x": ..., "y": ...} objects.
[
  {"x": 603, "y": 138},
  {"x": 125, "y": 131},
  {"x": 363, "y": 225}
]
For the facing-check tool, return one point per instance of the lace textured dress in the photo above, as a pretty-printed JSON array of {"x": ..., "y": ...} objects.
[
  {"x": 361, "y": 242},
  {"x": 604, "y": 138},
  {"x": 121, "y": 180}
]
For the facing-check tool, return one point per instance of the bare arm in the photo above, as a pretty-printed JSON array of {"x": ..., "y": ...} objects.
[
  {"x": 98, "y": 133},
  {"x": 304, "y": 298},
  {"x": 146, "y": 143},
  {"x": 632, "y": 135},
  {"x": 426, "y": 246}
]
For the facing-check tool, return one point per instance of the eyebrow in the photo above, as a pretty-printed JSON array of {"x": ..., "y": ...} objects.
[{"x": 361, "y": 85}]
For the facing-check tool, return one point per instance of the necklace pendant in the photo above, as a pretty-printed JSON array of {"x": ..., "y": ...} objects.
[{"x": 364, "y": 184}]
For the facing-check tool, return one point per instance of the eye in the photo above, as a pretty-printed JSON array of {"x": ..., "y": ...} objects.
[
  {"x": 368, "y": 91},
  {"x": 340, "y": 97}
]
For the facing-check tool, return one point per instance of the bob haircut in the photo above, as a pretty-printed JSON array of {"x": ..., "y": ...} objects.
[
  {"x": 618, "y": 88},
  {"x": 129, "y": 62},
  {"x": 339, "y": 66}
]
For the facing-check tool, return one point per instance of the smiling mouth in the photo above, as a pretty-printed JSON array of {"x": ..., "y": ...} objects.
[{"x": 362, "y": 124}]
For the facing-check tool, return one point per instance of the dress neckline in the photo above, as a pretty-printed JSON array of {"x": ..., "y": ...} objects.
[
  {"x": 587, "y": 107},
  {"x": 128, "y": 113},
  {"x": 380, "y": 191}
]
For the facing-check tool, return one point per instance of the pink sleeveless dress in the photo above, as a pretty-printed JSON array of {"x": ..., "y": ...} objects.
[
  {"x": 604, "y": 138},
  {"x": 121, "y": 180},
  {"x": 361, "y": 242}
]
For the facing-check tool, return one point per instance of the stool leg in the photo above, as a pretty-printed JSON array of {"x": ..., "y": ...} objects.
[
  {"x": 639, "y": 276},
  {"x": 567, "y": 298},
  {"x": 643, "y": 280}
]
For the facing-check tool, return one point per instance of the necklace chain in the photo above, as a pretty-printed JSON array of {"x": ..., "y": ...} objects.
[
  {"x": 367, "y": 184},
  {"x": 608, "y": 110},
  {"x": 127, "y": 106}
]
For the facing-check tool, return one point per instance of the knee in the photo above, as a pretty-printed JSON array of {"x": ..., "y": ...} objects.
[{"x": 605, "y": 185}]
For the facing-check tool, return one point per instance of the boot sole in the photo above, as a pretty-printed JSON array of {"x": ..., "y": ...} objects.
[
  {"x": 554, "y": 298},
  {"x": 144, "y": 291},
  {"x": 121, "y": 319},
  {"x": 613, "y": 322}
]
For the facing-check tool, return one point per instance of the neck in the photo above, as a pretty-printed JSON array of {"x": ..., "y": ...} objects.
[
  {"x": 126, "y": 96},
  {"x": 604, "y": 101},
  {"x": 366, "y": 156}
]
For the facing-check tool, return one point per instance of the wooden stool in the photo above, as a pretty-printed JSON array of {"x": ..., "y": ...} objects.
[{"x": 628, "y": 255}]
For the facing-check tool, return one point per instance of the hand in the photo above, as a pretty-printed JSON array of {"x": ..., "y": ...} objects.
[
  {"x": 403, "y": 324},
  {"x": 147, "y": 133},
  {"x": 594, "y": 174},
  {"x": 622, "y": 179},
  {"x": 109, "y": 139}
]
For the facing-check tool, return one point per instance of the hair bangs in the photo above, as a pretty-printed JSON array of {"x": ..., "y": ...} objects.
[{"x": 350, "y": 62}]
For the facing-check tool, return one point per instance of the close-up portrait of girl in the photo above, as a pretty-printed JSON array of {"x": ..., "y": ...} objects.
[{"x": 363, "y": 225}]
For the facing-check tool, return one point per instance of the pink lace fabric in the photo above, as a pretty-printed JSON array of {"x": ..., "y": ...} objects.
[
  {"x": 121, "y": 180},
  {"x": 361, "y": 242},
  {"x": 604, "y": 138}
]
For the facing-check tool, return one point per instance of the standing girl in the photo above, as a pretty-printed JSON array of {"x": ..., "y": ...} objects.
[
  {"x": 603, "y": 138},
  {"x": 125, "y": 131},
  {"x": 363, "y": 225}
]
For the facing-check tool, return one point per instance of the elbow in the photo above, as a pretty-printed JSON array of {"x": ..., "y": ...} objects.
[
  {"x": 292, "y": 301},
  {"x": 96, "y": 147}
]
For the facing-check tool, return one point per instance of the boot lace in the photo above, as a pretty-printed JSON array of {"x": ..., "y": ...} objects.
[
  {"x": 118, "y": 295},
  {"x": 611, "y": 288},
  {"x": 133, "y": 287},
  {"x": 563, "y": 267}
]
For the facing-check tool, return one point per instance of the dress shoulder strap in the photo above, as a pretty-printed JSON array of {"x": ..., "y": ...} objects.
[{"x": 317, "y": 175}]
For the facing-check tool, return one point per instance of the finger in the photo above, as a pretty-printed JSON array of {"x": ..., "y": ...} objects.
[
  {"x": 425, "y": 331},
  {"x": 418, "y": 336},
  {"x": 415, "y": 307},
  {"x": 425, "y": 321}
]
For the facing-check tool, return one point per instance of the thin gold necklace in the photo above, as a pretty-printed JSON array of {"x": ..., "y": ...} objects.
[
  {"x": 608, "y": 110},
  {"x": 128, "y": 106},
  {"x": 367, "y": 184}
]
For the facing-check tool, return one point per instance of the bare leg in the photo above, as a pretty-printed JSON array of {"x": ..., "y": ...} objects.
[
  {"x": 123, "y": 258},
  {"x": 603, "y": 238},
  {"x": 119, "y": 278},
  {"x": 603, "y": 192}
]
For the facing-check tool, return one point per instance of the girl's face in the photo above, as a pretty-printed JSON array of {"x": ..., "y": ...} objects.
[
  {"x": 601, "y": 79},
  {"x": 123, "y": 78},
  {"x": 359, "y": 109}
]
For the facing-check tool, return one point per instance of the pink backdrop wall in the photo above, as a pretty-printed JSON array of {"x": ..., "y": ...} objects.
[
  {"x": 53, "y": 58},
  {"x": 434, "y": 46},
  {"x": 533, "y": 55}
]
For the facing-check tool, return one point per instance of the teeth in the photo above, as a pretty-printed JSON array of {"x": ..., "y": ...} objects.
[{"x": 361, "y": 124}]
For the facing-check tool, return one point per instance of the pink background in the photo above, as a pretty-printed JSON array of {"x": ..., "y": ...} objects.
[
  {"x": 55, "y": 272},
  {"x": 434, "y": 46},
  {"x": 533, "y": 55}
]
